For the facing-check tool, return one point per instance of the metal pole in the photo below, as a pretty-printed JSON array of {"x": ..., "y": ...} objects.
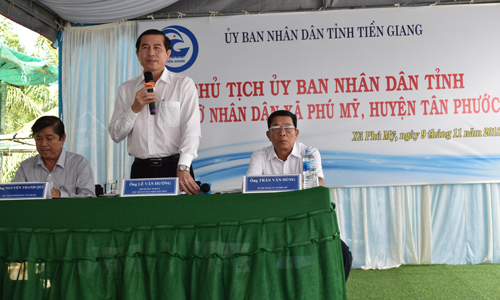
[{"x": 3, "y": 105}]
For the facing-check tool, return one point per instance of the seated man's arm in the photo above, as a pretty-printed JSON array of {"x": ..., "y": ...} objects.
[
  {"x": 84, "y": 185},
  {"x": 255, "y": 165},
  {"x": 20, "y": 175},
  {"x": 319, "y": 167}
]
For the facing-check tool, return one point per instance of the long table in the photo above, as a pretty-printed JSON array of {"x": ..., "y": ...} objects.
[{"x": 230, "y": 246}]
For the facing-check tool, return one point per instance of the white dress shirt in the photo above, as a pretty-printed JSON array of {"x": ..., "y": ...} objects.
[
  {"x": 174, "y": 129},
  {"x": 72, "y": 175},
  {"x": 266, "y": 162}
]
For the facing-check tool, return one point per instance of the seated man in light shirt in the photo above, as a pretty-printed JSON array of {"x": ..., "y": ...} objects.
[
  {"x": 68, "y": 174},
  {"x": 285, "y": 155}
]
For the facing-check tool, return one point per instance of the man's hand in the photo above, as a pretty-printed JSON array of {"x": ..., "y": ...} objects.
[
  {"x": 187, "y": 183},
  {"x": 55, "y": 193},
  {"x": 142, "y": 98}
]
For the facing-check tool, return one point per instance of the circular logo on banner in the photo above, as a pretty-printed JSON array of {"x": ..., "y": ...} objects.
[{"x": 184, "y": 48}]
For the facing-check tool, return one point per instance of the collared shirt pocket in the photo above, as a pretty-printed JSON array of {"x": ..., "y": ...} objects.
[{"x": 170, "y": 113}]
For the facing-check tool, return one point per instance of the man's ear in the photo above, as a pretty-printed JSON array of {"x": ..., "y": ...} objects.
[
  {"x": 296, "y": 133},
  {"x": 268, "y": 135},
  {"x": 63, "y": 138}
]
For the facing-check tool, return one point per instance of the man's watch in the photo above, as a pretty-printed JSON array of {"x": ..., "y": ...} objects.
[{"x": 182, "y": 168}]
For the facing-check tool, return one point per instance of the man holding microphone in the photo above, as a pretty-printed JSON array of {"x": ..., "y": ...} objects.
[{"x": 164, "y": 143}]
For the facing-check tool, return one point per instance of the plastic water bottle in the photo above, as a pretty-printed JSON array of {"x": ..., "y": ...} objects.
[{"x": 309, "y": 173}]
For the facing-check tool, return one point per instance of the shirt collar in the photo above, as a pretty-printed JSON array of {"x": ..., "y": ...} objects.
[
  {"x": 296, "y": 150},
  {"x": 60, "y": 161},
  {"x": 165, "y": 76},
  {"x": 271, "y": 154}
]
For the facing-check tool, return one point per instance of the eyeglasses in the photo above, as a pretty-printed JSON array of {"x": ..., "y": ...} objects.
[{"x": 277, "y": 128}]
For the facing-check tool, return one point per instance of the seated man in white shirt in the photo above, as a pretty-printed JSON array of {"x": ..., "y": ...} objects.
[
  {"x": 285, "y": 155},
  {"x": 68, "y": 174}
]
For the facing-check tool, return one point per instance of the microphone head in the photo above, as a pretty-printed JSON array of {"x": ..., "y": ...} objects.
[
  {"x": 148, "y": 76},
  {"x": 205, "y": 188}
]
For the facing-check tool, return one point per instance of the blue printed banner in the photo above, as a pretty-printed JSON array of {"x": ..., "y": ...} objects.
[
  {"x": 23, "y": 191},
  {"x": 271, "y": 183},
  {"x": 378, "y": 115},
  {"x": 150, "y": 187}
]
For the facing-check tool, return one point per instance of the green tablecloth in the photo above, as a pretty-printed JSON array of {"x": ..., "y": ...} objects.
[{"x": 233, "y": 246}]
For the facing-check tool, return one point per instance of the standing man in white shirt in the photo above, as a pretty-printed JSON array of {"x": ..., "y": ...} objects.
[
  {"x": 285, "y": 155},
  {"x": 165, "y": 144}
]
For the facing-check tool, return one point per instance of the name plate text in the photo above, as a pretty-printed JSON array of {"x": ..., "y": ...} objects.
[
  {"x": 23, "y": 191},
  {"x": 150, "y": 187},
  {"x": 272, "y": 183}
]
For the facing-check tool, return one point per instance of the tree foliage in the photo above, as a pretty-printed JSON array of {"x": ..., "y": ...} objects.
[{"x": 8, "y": 37}]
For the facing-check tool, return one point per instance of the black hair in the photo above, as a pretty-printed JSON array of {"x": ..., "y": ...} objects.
[
  {"x": 285, "y": 113},
  {"x": 47, "y": 121},
  {"x": 166, "y": 40}
]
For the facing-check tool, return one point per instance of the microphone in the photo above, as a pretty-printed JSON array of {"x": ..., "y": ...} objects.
[
  {"x": 148, "y": 78},
  {"x": 205, "y": 188}
]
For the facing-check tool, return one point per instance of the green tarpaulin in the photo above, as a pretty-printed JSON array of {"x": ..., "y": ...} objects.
[{"x": 20, "y": 69}]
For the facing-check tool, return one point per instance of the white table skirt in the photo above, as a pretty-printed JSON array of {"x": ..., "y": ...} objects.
[{"x": 422, "y": 224}]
